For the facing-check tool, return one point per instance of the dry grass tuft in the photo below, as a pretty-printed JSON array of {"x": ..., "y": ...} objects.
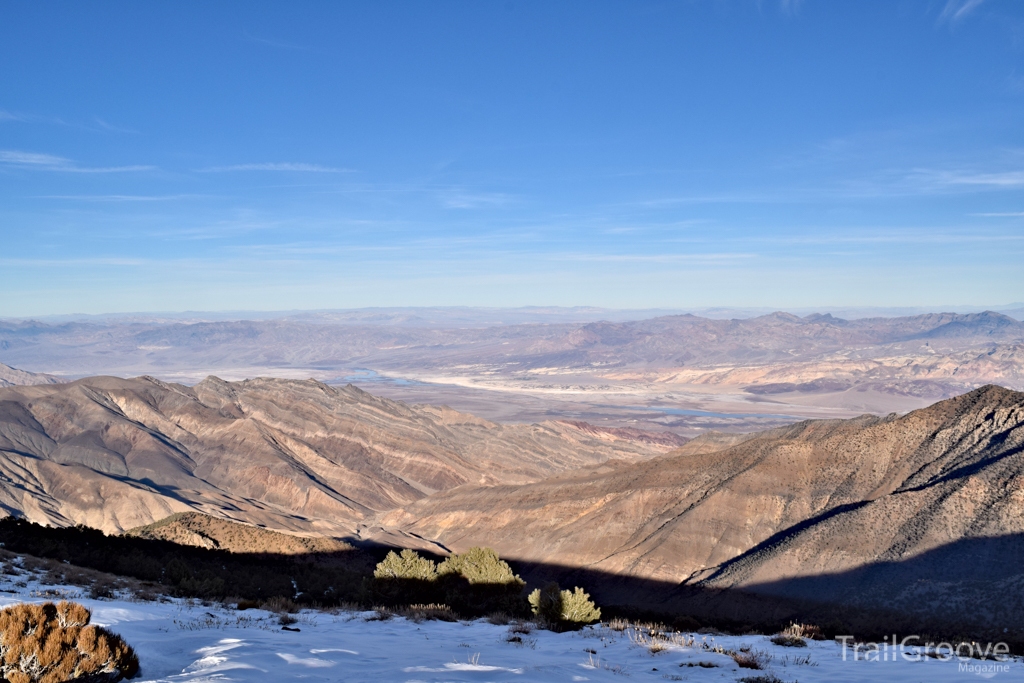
[
  {"x": 280, "y": 605},
  {"x": 786, "y": 640},
  {"x": 380, "y": 614},
  {"x": 428, "y": 612},
  {"x": 805, "y": 631},
  {"x": 746, "y": 658},
  {"x": 763, "y": 678}
]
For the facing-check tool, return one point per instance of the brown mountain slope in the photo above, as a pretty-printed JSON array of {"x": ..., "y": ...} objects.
[
  {"x": 813, "y": 498},
  {"x": 299, "y": 455},
  {"x": 10, "y": 377},
  {"x": 193, "y": 528}
]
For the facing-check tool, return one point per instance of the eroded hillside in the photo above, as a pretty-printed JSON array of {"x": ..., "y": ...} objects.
[
  {"x": 816, "y": 499},
  {"x": 300, "y": 455}
]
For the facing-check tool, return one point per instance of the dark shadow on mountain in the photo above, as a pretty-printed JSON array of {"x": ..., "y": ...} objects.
[
  {"x": 971, "y": 589},
  {"x": 970, "y": 586},
  {"x": 788, "y": 532}
]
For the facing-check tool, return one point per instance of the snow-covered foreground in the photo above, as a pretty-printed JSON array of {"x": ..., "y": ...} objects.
[{"x": 188, "y": 642}]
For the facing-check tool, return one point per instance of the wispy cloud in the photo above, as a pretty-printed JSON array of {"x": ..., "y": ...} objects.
[
  {"x": 31, "y": 159},
  {"x": 474, "y": 200},
  {"x": 790, "y": 6},
  {"x": 49, "y": 162},
  {"x": 1003, "y": 214},
  {"x": 286, "y": 167},
  {"x": 955, "y": 10},
  {"x": 97, "y": 125},
  {"x": 715, "y": 258},
  {"x": 96, "y": 261},
  {"x": 111, "y": 128},
  {"x": 274, "y": 42},
  {"x": 1001, "y": 179},
  {"x": 121, "y": 197}
]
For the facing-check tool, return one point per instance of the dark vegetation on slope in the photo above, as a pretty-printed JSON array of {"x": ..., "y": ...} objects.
[
  {"x": 338, "y": 579},
  {"x": 475, "y": 583},
  {"x": 188, "y": 571}
]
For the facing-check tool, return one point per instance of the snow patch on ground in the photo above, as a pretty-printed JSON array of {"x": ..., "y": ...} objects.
[{"x": 181, "y": 641}]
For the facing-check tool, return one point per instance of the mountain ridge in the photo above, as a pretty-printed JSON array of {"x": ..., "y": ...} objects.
[
  {"x": 694, "y": 517},
  {"x": 297, "y": 455}
]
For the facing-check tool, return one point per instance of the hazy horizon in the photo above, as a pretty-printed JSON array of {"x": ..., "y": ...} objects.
[{"x": 559, "y": 313}]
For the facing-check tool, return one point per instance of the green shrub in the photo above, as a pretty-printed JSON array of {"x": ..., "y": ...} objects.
[
  {"x": 408, "y": 565},
  {"x": 578, "y": 608},
  {"x": 406, "y": 578},
  {"x": 54, "y": 643},
  {"x": 563, "y": 609},
  {"x": 546, "y": 603},
  {"x": 478, "y": 582},
  {"x": 480, "y": 565}
]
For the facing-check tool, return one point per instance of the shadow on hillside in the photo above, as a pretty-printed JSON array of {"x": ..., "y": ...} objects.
[{"x": 971, "y": 589}]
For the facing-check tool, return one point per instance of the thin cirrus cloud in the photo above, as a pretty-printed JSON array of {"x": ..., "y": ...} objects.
[
  {"x": 35, "y": 161},
  {"x": 475, "y": 200},
  {"x": 937, "y": 180},
  {"x": 1006, "y": 179},
  {"x": 285, "y": 167},
  {"x": 955, "y": 10},
  {"x": 121, "y": 197}
]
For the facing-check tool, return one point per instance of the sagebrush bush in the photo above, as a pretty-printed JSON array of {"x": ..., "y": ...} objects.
[
  {"x": 476, "y": 582},
  {"x": 406, "y": 578},
  {"x": 408, "y": 566},
  {"x": 564, "y": 608},
  {"x": 51, "y": 643},
  {"x": 546, "y": 602},
  {"x": 479, "y": 582},
  {"x": 479, "y": 565},
  {"x": 578, "y": 608}
]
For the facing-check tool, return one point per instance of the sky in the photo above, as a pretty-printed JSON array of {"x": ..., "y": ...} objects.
[{"x": 169, "y": 156}]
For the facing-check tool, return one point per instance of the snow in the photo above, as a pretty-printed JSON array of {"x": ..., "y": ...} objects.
[{"x": 184, "y": 641}]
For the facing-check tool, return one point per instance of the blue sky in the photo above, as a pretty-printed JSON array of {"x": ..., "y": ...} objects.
[{"x": 300, "y": 155}]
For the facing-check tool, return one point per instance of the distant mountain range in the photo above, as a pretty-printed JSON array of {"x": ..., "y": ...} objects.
[
  {"x": 622, "y": 373},
  {"x": 668, "y": 342}
]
